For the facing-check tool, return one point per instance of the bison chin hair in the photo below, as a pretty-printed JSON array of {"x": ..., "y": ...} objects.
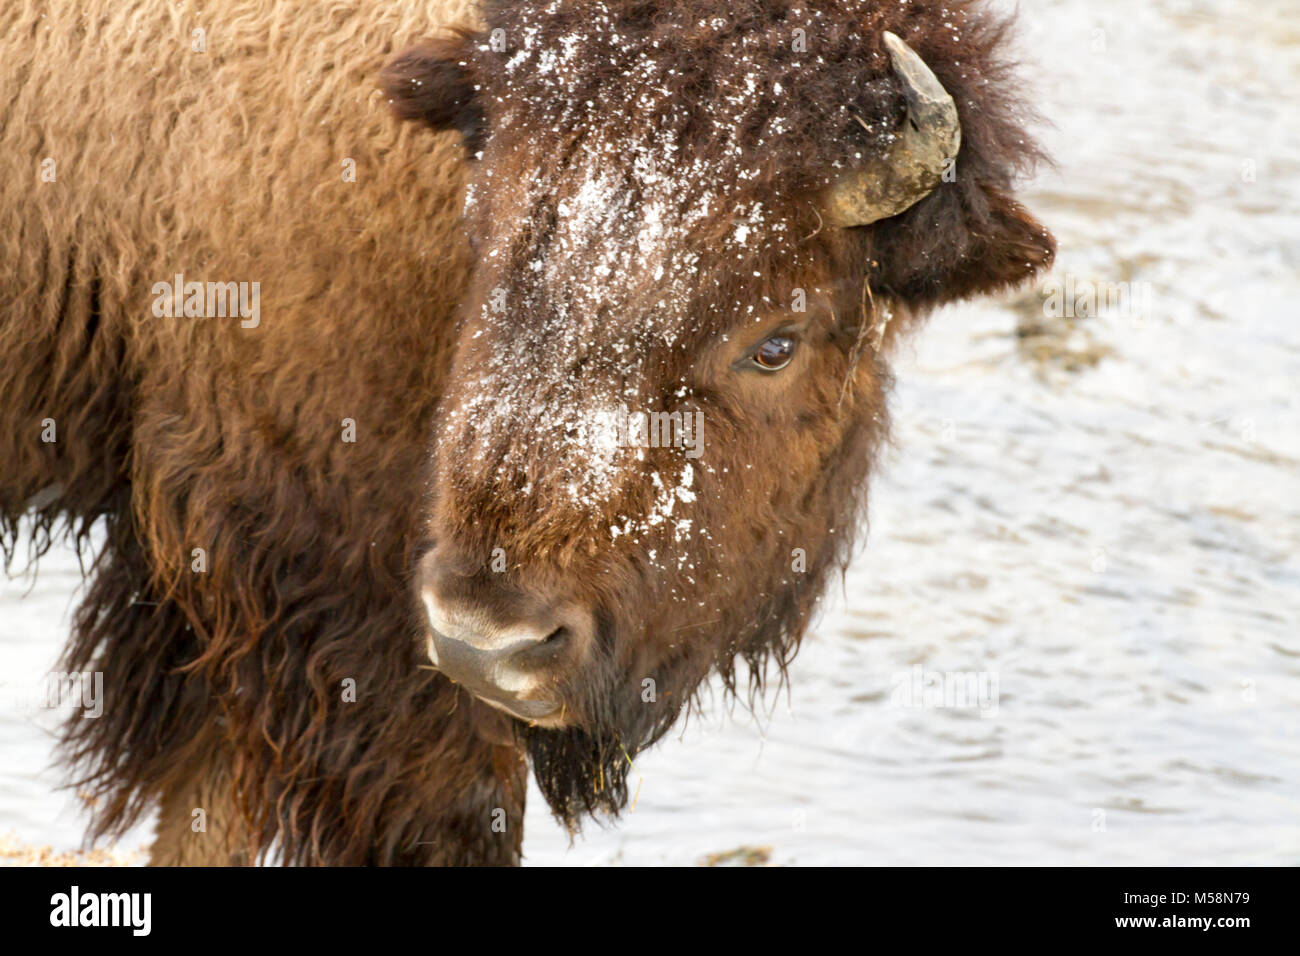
[
  {"x": 579, "y": 772},
  {"x": 583, "y": 770}
]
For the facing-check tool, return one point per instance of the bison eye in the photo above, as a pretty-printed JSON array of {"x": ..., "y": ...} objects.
[{"x": 775, "y": 354}]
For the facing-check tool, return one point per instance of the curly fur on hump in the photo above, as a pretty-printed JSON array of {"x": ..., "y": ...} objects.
[
  {"x": 132, "y": 149},
  {"x": 225, "y": 164}
]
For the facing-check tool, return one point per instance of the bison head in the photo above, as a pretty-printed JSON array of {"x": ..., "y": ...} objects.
[{"x": 698, "y": 227}]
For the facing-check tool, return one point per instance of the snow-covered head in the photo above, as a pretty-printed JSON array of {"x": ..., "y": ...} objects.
[{"x": 698, "y": 228}]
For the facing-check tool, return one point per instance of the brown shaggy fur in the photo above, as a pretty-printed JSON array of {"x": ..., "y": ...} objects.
[
  {"x": 226, "y": 685},
  {"x": 226, "y": 165}
]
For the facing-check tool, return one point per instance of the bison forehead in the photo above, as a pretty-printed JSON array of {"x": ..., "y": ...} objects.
[
  {"x": 616, "y": 260},
  {"x": 636, "y": 160},
  {"x": 749, "y": 74}
]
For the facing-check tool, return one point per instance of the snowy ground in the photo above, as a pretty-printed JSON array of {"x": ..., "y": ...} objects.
[{"x": 1104, "y": 519}]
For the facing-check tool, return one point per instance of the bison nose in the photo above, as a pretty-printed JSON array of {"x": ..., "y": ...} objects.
[
  {"x": 504, "y": 645},
  {"x": 499, "y": 668}
]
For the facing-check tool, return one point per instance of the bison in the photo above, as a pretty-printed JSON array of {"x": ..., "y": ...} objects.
[{"x": 424, "y": 457}]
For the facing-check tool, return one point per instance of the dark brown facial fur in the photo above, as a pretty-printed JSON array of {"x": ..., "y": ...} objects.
[{"x": 644, "y": 209}]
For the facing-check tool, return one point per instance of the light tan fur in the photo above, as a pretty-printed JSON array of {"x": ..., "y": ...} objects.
[
  {"x": 198, "y": 822},
  {"x": 140, "y": 139}
]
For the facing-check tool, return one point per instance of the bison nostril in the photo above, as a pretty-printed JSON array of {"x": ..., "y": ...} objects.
[{"x": 544, "y": 652}]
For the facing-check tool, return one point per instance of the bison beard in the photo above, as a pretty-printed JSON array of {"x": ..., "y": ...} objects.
[{"x": 579, "y": 772}]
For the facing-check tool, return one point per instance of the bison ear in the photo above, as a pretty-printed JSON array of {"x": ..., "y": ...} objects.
[
  {"x": 961, "y": 241},
  {"x": 431, "y": 83}
]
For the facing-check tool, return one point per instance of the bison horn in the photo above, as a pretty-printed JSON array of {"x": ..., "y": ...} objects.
[{"x": 914, "y": 165}]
